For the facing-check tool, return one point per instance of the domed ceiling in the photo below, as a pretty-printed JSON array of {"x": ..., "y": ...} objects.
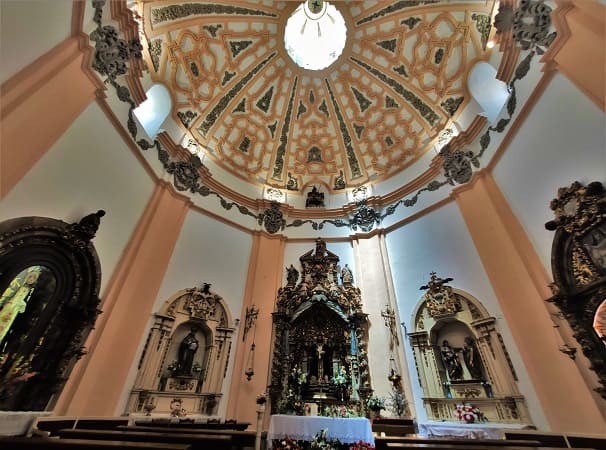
[{"x": 400, "y": 81}]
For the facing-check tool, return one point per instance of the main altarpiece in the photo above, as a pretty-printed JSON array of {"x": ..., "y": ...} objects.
[{"x": 320, "y": 338}]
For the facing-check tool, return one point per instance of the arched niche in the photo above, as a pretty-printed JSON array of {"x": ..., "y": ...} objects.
[
  {"x": 49, "y": 284},
  {"x": 185, "y": 356},
  {"x": 578, "y": 264},
  {"x": 460, "y": 357}
]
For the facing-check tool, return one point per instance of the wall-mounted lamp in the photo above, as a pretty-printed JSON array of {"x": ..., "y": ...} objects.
[{"x": 251, "y": 319}]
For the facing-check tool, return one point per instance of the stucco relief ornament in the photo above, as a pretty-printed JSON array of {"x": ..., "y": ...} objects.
[
  {"x": 365, "y": 217},
  {"x": 272, "y": 218},
  {"x": 529, "y": 22},
  {"x": 458, "y": 164},
  {"x": 439, "y": 298},
  {"x": 201, "y": 303},
  {"x": 111, "y": 52}
]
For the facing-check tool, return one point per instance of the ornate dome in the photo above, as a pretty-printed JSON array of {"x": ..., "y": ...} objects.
[{"x": 392, "y": 96}]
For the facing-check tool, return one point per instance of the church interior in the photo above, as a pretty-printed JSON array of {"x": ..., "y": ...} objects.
[{"x": 259, "y": 213}]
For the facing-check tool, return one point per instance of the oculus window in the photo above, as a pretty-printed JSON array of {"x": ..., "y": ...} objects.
[{"x": 315, "y": 35}]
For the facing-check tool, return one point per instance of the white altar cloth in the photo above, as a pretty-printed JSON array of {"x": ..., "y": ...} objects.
[
  {"x": 304, "y": 428},
  {"x": 483, "y": 430},
  {"x": 17, "y": 423}
]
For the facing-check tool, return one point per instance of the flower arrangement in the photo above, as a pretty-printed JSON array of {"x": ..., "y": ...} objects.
[
  {"x": 321, "y": 442},
  {"x": 375, "y": 403},
  {"x": 291, "y": 403},
  {"x": 261, "y": 399},
  {"x": 360, "y": 445},
  {"x": 286, "y": 444},
  {"x": 399, "y": 404},
  {"x": 297, "y": 376},
  {"x": 468, "y": 413}
]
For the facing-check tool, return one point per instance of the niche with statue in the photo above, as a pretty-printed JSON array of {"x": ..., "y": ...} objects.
[
  {"x": 320, "y": 339},
  {"x": 185, "y": 356},
  {"x": 461, "y": 359}
]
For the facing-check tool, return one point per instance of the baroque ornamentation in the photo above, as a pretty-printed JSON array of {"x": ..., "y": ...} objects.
[
  {"x": 457, "y": 164},
  {"x": 439, "y": 298},
  {"x": 320, "y": 335},
  {"x": 202, "y": 303},
  {"x": 185, "y": 177},
  {"x": 57, "y": 265},
  {"x": 579, "y": 268},
  {"x": 174, "y": 12},
  {"x": 530, "y": 24},
  {"x": 272, "y": 219},
  {"x": 365, "y": 218},
  {"x": 112, "y": 53}
]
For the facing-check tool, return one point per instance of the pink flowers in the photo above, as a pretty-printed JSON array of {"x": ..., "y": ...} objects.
[{"x": 468, "y": 413}]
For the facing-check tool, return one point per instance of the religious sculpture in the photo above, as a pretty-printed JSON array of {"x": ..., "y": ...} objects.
[
  {"x": 292, "y": 275},
  {"x": 346, "y": 275},
  {"x": 451, "y": 361},
  {"x": 187, "y": 350},
  {"x": 472, "y": 358}
]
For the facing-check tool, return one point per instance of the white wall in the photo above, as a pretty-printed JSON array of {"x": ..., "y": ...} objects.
[
  {"x": 562, "y": 140},
  {"x": 87, "y": 169},
  {"x": 440, "y": 242},
  {"x": 47, "y": 24}
]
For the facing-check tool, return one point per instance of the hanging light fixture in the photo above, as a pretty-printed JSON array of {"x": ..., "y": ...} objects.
[
  {"x": 315, "y": 35},
  {"x": 250, "y": 363},
  {"x": 250, "y": 322}
]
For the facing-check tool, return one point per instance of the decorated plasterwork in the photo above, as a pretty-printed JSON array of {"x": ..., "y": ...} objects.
[
  {"x": 258, "y": 115},
  {"x": 234, "y": 93},
  {"x": 439, "y": 298}
]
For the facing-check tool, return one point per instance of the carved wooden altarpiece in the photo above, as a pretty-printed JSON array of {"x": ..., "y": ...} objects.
[
  {"x": 578, "y": 261},
  {"x": 320, "y": 337},
  {"x": 49, "y": 285}
]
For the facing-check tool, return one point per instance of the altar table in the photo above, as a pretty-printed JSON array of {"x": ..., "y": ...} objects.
[
  {"x": 17, "y": 423},
  {"x": 483, "y": 430},
  {"x": 304, "y": 428}
]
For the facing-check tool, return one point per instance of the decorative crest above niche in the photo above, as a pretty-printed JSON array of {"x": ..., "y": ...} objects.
[{"x": 439, "y": 297}]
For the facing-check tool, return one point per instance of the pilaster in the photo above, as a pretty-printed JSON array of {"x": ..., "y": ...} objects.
[
  {"x": 264, "y": 278},
  {"x": 97, "y": 382}
]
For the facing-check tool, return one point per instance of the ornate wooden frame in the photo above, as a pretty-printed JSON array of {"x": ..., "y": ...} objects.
[
  {"x": 37, "y": 361},
  {"x": 579, "y": 274}
]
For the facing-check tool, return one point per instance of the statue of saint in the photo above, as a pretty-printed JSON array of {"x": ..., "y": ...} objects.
[
  {"x": 346, "y": 275},
  {"x": 14, "y": 299},
  {"x": 451, "y": 362},
  {"x": 187, "y": 350},
  {"x": 472, "y": 358},
  {"x": 292, "y": 275}
]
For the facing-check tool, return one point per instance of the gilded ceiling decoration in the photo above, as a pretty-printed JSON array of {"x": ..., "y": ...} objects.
[{"x": 399, "y": 82}]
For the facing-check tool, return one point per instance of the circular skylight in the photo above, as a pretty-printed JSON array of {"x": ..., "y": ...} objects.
[{"x": 315, "y": 35}]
